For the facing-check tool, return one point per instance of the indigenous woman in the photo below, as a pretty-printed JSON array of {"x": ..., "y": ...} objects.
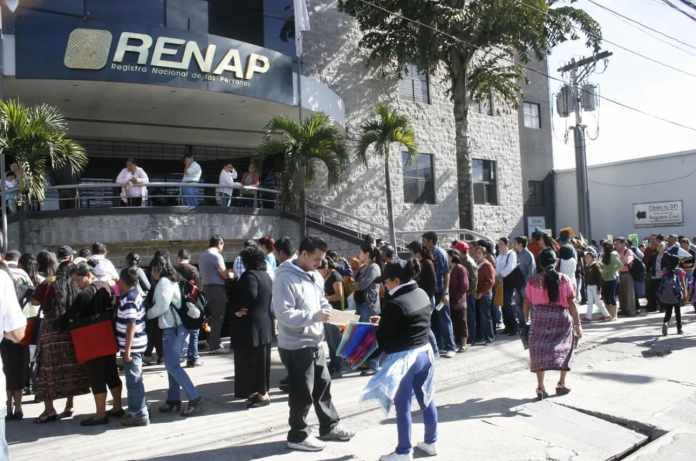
[{"x": 555, "y": 324}]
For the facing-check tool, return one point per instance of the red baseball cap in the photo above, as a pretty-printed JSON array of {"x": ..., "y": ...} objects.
[{"x": 461, "y": 246}]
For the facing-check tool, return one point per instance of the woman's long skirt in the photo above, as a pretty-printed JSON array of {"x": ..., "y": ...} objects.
[
  {"x": 551, "y": 340},
  {"x": 252, "y": 370}
]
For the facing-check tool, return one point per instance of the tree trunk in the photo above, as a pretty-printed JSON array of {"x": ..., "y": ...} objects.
[
  {"x": 465, "y": 184},
  {"x": 390, "y": 203}
]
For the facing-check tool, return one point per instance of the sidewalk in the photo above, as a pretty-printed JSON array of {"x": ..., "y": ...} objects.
[{"x": 629, "y": 387}]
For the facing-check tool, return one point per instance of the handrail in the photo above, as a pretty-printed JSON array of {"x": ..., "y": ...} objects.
[
  {"x": 448, "y": 231},
  {"x": 346, "y": 215}
]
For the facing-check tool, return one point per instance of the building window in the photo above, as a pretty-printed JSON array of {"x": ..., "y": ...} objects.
[
  {"x": 486, "y": 106},
  {"x": 485, "y": 183},
  {"x": 536, "y": 193},
  {"x": 419, "y": 178},
  {"x": 415, "y": 85},
  {"x": 532, "y": 119}
]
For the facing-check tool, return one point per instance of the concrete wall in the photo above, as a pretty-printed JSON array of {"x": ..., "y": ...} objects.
[
  {"x": 145, "y": 231},
  {"x": 333, "y": 56},
  {"x": 536, "y": 145},
  {"x": 614, "y": 188}
]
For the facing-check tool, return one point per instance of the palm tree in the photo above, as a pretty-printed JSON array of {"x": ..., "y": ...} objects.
[
  {"x": 304, "y": 146},
  {"x": 389, "y": 128},
  {"x": 36, "y": 138}
]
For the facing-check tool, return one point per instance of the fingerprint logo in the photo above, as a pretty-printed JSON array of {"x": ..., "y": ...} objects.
[{"x": 88, "y": 49}]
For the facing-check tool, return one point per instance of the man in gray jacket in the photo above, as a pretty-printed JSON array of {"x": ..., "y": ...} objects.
[{"x": 301, "y": 308}]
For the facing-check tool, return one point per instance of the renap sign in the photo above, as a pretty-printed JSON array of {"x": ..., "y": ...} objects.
[{"x": 88, "y": 49}]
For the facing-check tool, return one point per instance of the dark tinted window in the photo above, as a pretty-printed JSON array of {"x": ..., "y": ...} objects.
[
  {"x": 536, "y": 193},
  {"x": 239, "y": 19},
  {"x": 419, "y": 178}
]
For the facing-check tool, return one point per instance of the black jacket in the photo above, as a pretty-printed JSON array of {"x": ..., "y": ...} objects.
[
  {"x": 405, "y": 320},
  {"x": 253, "y": 293}
]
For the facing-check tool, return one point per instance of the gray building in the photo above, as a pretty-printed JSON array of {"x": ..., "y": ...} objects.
[
  {"x": 536, "y": 149},
  {"x": 641, "y": 196},
  {"x": 144, "y": 80}
]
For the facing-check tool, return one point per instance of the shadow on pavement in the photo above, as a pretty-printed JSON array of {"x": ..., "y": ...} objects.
[
  {"x": 622, "y": 377},
  {"x": 234, "y": 453}
]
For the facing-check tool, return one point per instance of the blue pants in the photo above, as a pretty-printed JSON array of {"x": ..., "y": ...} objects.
[
  {"x": 484, "y": 309},
  {"x": 410, "y": 384},
  {"x": 442, "y": 327},
  {"x": 192, "y": 350},
  {"x": 509, "y": 316},
  {"x": 137, "y": 404},
  {"x": 190, "y": 195},
  {"x": 471, "y": 320},
  {"x": 172, "y": 341}
]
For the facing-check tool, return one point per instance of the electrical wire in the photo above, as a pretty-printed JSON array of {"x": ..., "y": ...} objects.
[
  {"x": 645, "y": 26},
  {"x": 530, "y": 69},
  {"x": 675, "y": 7},
  {"x": 648, "y": 58},
  {"x": 653, "y": 183},
  {"x": 689, "y": 3}
]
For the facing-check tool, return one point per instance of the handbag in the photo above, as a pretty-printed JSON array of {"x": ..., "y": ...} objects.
[
  {"x": 94, "y": 340},
  {"x": 31, "y": 333}
]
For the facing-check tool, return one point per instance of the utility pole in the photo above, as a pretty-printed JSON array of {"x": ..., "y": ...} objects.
[{"x": 579, "y": 100}]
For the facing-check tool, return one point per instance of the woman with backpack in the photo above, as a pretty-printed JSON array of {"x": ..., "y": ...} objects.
[
  {"x": 167, "y": 304},
  {"x": 671, "y": 291}
]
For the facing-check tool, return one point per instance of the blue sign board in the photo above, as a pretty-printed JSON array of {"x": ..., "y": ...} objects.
[{"x": 68, "y": 48}]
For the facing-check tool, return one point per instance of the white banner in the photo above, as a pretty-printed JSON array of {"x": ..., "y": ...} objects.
[{"x": 301, "y": 23}]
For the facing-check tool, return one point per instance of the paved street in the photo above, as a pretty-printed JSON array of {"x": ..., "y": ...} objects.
[{"x": 631, "y": 389}]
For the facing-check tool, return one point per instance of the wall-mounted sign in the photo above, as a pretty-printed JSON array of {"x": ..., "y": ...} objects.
[
  {"x": 72, "y": 49},
  {"x": 653, "y": 214},
  {"x": 535, "y": 222}
]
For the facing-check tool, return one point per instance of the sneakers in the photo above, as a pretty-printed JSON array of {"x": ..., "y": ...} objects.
[
  {"x": 311, "y": 443},
  {"x": 664, "y": 329},
  {"x": 134, "y": 421},
  {"x": 337, "y": 434},
  {"x": 447, "y": 354},
  {"x": 396, "y": 457},
  {"x": 428, "y": 448}
]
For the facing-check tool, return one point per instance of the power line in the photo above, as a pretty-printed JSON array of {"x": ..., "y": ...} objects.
[
  {"x": 675, "y": 7},
  {"x": 689, "y": 3},
  {"x": 653, "y": 183},
  {"x": 616, "y": 13},
  {"x": 530, "y": 69},
  {"x": 648, "y": 58}
]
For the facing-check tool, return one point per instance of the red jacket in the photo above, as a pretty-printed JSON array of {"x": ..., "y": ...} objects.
[
  {"x": 458, "y": 286},
  {"x": 486, "y": 278}
]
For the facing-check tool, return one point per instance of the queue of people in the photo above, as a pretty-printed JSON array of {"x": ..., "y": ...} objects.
[{"x": 435, "y": 302}]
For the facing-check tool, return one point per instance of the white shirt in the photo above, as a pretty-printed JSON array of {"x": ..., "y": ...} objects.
[
  {"x": 133, "y": 190},
  {"x": 105, "y": 271},
  {"x": 192, "y": 173},
  {"x": 506, "y": 263},
  {"x": 11, "y": 318},
  {"x": 227, "y": 179},
  {"x": 568, "y": 267},
  {"x": 398, "y": 287}
]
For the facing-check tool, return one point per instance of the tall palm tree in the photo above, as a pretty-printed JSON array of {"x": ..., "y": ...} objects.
[
  {"x": 389, "y": 128},
  {"x": 36, "y": 138},
  {"x": 304, "y": 146}
]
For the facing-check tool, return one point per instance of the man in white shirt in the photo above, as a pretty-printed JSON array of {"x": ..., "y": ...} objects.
[
  {"x": 228, "y": 175},
  {"x": 12, "y": 325},
  {"x": 192, "y": 174},
  {"x": 505, "y": 263},
  {"x": 132, "y": 180},
  {"x": 104, "y": 270}
]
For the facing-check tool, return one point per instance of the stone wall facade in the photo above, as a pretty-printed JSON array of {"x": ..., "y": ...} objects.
[{"x": 332, "y": 55}]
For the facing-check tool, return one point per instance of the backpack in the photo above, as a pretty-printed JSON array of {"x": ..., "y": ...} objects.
[
  {"x": 193, "y": 304},
  {"x": 670, "y": 290},
  {"x": 637, "y": 270}
]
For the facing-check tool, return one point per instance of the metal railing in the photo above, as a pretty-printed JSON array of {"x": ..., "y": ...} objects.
[{"x": 111, "y": 195}]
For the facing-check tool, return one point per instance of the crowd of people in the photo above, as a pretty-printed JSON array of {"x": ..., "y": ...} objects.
[{"x": 431, "y": 300}]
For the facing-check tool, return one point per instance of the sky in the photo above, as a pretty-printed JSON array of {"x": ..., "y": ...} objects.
[{"x": 632, "y": 80}]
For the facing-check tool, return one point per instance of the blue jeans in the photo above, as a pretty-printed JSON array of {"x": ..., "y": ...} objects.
[
  {"x": 137, "y": 404},
  {"x": 472, "y": 323},
  {"x": 192, "y": 349},
  {"x": 172, "y": 342},
  {"x": 412, "y": 383},
  {"x": 4, "y": 449},
  {"x": 190, "y": 195},
  {"x": 484, "y": 310},
  {"x": 509, "y": 316},
  {"x": 442, "y": 327}
]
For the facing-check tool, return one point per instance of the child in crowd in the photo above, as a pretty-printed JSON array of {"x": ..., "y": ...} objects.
[
  {"x": 132, "y": 341},
  {"x": 671, "y": 291},
  {"x": 593, "y": 279}
]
